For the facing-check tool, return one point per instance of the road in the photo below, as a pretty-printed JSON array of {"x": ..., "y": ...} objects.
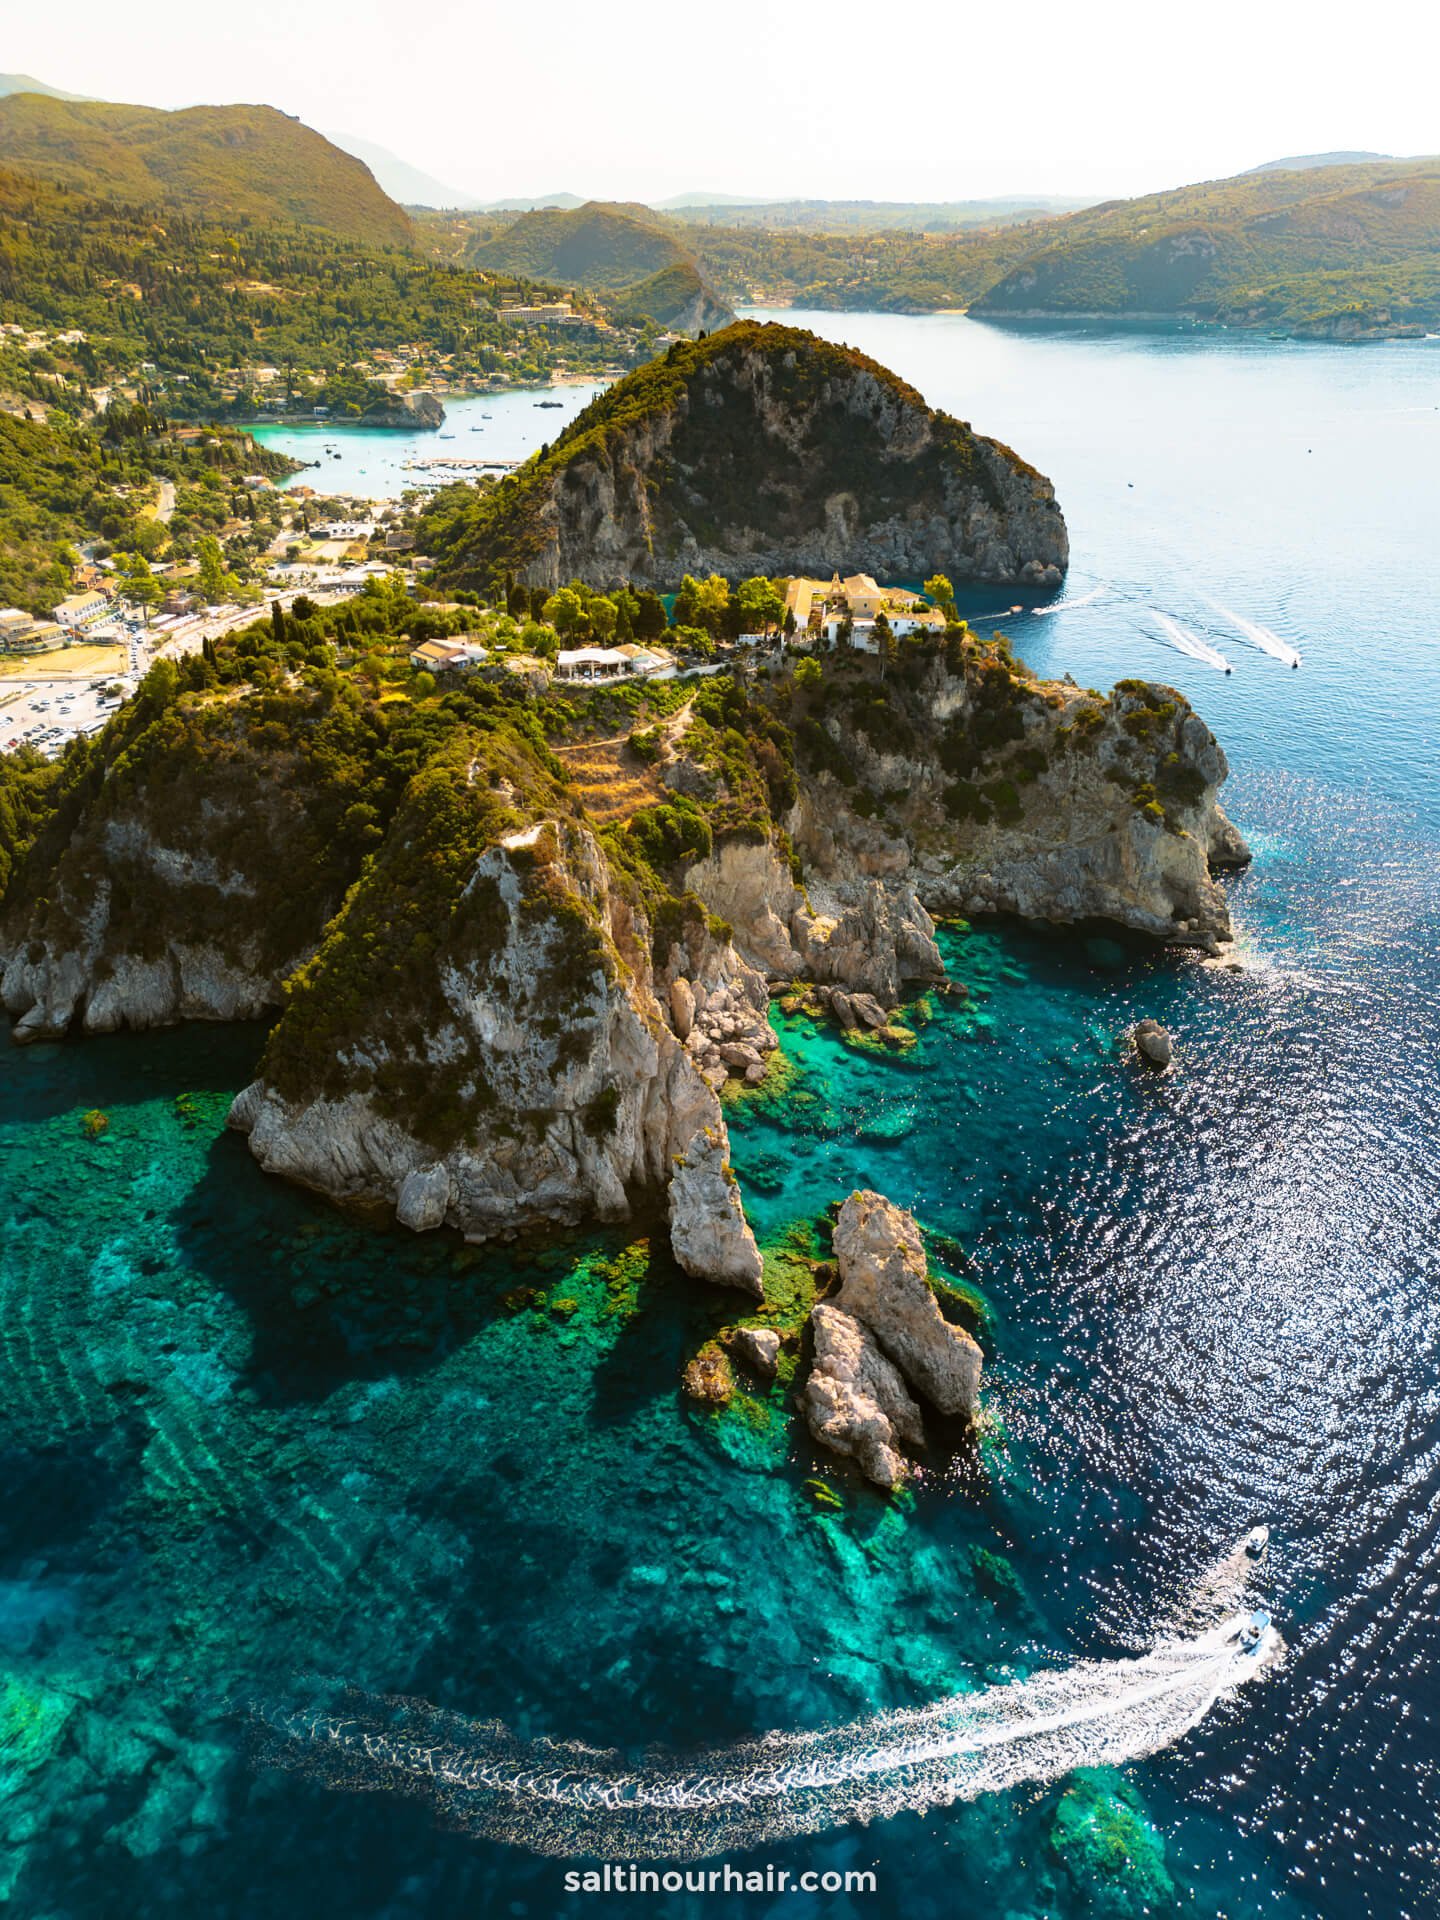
[{"x": 48, "y": 709}]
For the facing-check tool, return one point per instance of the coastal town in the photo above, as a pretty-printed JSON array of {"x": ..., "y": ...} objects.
[{"x": 65, "y": 671}]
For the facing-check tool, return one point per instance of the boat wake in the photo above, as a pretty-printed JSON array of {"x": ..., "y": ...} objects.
[
  {"x": 1069, "y": 604},
  {"x": 1260, "y": 637},
  {"x": 565, "y": 1799},
  {"x": 1189, "y": 643}
]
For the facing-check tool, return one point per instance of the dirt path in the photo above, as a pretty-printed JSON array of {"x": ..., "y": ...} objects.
[{"x": 610, "y": 787}]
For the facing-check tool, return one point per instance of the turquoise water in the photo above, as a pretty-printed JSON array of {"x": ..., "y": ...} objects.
[
  {"x": 265, "y": 1467},
  {"x": 372, "y": 463}
]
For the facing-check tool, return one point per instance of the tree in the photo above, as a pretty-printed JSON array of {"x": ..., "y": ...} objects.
[
  {"x": 762, "y": 605},
  {"x": 650, "y": 621},
  {"x": 139, "y": 586},
  {"x": 277, "y": 622},
  {"x": 216, "y": 583},
  {"x": 565, "y": 611},
  {"x": 939, "y": 590},
  {"x": 884, "y": 641},
  {"x": 807, "y": 672},
  {"x": 603, "y": 618}
]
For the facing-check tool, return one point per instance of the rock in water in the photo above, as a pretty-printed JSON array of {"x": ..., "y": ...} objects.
[
  {"x": 760, "y": 450},
  {"x": 424, "y": 1198},
  {"x": 758, "y": 1348},
  {"x": 709, "y": 1377},
  {"x": 855, "y": 1400},
  {"x": 1153, "y": 1043},
  {"x": 883, "y": 1283},
  {"x": 708, "y": 1230}
]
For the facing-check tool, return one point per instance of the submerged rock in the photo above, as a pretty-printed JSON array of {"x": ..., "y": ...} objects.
[
  {"x": 855, "y": 1401},
  {"x": 883, "y": 1282},
  {"x": 709, "y": 1377},
  {"x": 1153, "y": 1043}
]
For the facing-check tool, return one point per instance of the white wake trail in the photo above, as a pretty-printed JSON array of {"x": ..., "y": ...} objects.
[
  {"x": 1186, "y": 642},
  {"x": 1066, "y": 605},
  {"x": 1261, "y": 637},
  {"x": 565, "y": 1799}
]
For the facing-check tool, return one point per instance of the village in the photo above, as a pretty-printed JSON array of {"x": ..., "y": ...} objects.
[{"x": 64, "y": 672}]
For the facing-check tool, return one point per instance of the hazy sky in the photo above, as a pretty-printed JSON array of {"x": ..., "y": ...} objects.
[{"x": 905, "y": 99}]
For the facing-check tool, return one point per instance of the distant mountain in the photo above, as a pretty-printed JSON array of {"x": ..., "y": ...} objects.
[
  {"x": 522, "y": 203},
  {"x": 239, "y": 162},
  {"x": 681, "y": 202},
  {"x": 869, "y": 216},
  {"x": 611, "y": 248},
  {"x": 1299, "y": 162},
  {"x": 1335, "y": 252},
  {"x": 27, "y": 83},
  {"x": 408, "y": 185}
]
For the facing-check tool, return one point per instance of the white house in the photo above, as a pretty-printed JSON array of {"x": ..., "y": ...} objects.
[{"x": 448, "y": 656}]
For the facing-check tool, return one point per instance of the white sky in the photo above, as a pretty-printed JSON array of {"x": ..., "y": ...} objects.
[{"x": 832, "y": 99}]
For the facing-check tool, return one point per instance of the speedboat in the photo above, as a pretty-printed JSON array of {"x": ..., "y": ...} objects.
[
  {"x": 1256, "y": 1541},
  {"x": 1253, "y": 1630}
]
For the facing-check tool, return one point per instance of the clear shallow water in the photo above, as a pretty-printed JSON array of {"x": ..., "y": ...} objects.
[
  {"x": 253, "y": 1455},
  {"x": 371, "y": 462}
]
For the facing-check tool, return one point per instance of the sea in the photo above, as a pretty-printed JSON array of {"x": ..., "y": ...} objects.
[{"x": 344, "y": 1571}]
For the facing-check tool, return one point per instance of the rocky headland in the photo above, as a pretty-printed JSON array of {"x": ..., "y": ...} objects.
[
  {"x": 758, "y": 450},
  {"x": 496, "y": 1010}
]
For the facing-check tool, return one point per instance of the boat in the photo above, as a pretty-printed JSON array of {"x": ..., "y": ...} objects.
[
  {"x": 1256, "y": 1541},
  {"x": 1253, "y": 1630},
  {"x": 549, "y": 403}
]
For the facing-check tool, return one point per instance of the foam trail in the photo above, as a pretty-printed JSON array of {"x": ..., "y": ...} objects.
[
  {"x": 1065, "y": 606},
  {"x": 564, "y": 1799},
  {"x": 1187, "y": 642},
  {"x": 1260, "y": 637}
]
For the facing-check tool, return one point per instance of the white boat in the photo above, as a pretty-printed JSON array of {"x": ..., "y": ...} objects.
[{"x": 1256, "y": 1541}]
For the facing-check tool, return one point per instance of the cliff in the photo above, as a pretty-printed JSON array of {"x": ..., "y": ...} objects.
[
  {"x": 759, "y": 450},
  {"x": 499, "y": 1010},
  {"x": 406, "y": 411}
]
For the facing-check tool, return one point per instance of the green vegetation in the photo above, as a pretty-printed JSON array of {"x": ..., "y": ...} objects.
[
  {"x": 190, "y": 312},
  {"x": 238, "y": 164},
  {"x": 62, "y": 483},
  {"x": 1327, "y": 250},
  {"x": 703, "y": 387}
]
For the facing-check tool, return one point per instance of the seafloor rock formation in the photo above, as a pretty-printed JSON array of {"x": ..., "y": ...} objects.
[
  {"x": 759, "y": 450},
  {"x": 880, "y": 1338}
]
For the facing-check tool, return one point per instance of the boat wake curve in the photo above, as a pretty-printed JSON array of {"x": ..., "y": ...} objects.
[{"x": 566, "y": 1799}]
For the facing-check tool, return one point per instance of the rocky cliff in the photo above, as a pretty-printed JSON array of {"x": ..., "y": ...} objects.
[
  {"x": 498, "y": 1010},
  {"x": 759, "y": 450},
  {"x": 524, "y": 1074}
]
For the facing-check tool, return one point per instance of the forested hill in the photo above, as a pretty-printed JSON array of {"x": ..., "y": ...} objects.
[
  {"x": 619, "y": 249},
  {"x": 1325, "y": 250},
  {"x": 241, "y": 164},
  {"x": 1328, "y": 250}
]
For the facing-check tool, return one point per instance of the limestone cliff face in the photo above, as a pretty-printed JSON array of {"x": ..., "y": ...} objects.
[
  {"x": 406, "y": 411},
  {"x": 529, "y": 1077},
  {"x": 144, "y": 924},
  {"x": 762, "y": 450},
  {"x": 1053, "y": 805}
]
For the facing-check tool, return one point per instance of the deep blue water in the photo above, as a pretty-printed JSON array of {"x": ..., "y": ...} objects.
[{"x": 252, "y": 1453}]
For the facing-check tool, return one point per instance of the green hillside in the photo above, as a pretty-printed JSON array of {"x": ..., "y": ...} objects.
[
  {"x": 239, "y": 164},
  {"x": 1343, "y": 251},
  {"x": 620, "y": 249},
  {"x": 204, "y": 303}
]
